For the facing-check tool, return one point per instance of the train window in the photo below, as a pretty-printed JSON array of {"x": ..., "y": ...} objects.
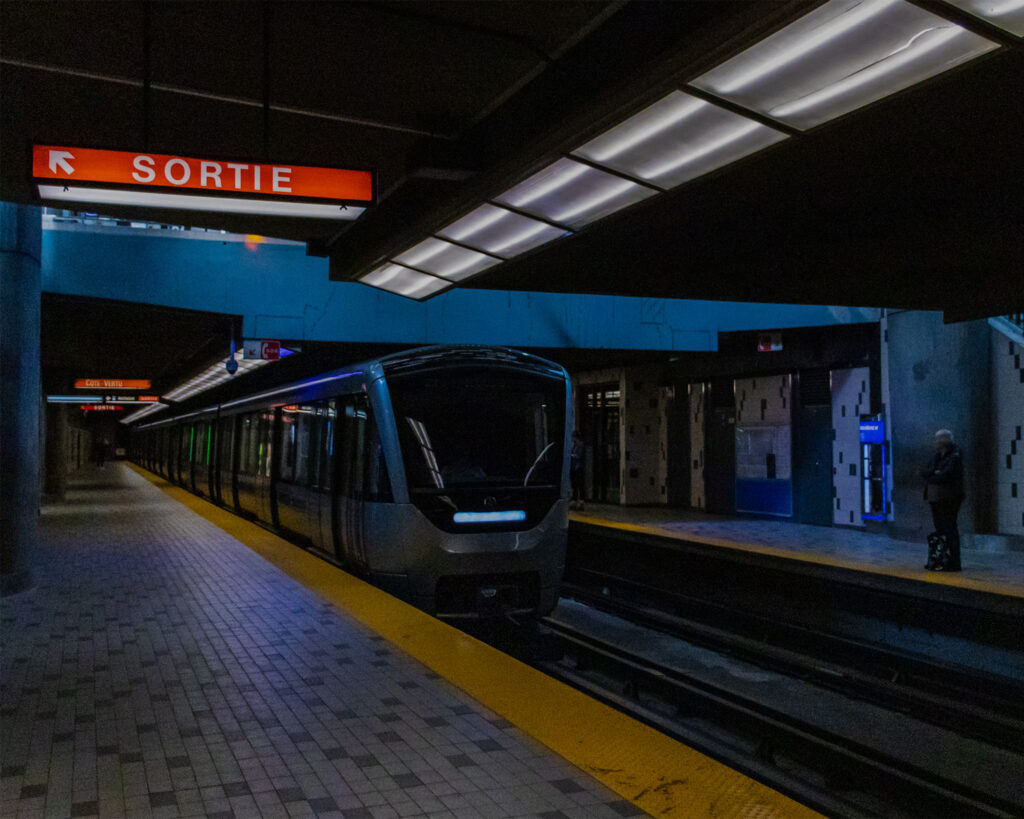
[
  {"x": 479, "y": 428},
  {"x": 224, "y": 444},
  {"x": 199, "y": 445},
  {"x": 328, "y": 412},
  {"x": 264, "y": 446},
  {"x": 289, "y": 433},
  {"x": 366, "y": 475},
  {"x": 308, "y": 448},
  {"x": 248, "y": 460}
]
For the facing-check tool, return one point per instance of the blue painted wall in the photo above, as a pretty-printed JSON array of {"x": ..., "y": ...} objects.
[{"x": 284, "y": 294}]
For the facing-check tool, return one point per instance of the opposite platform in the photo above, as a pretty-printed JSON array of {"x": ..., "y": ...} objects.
[
  {"x": 161, "y": 668},
  {"x": 999, "y": 573}
]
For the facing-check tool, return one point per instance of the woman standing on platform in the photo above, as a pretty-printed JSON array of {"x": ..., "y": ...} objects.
[{"x": 944, "y": 491}]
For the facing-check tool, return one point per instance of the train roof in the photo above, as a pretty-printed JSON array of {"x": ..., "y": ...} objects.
[
  {"x": 419, "y": 359},
  {"x": 425, "y": 358}
]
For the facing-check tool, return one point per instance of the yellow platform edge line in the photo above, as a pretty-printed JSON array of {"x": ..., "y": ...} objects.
[
  {"x": 656, "y": 773},
  {"x": 954, "y": 579}
]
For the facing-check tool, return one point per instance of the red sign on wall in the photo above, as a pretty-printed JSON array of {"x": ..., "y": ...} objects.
[
  {"x": 166, "y": 171},
  {"x": 112, "y": 384}
]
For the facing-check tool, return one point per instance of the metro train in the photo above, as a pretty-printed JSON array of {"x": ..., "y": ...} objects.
[{"x": 439, "y": 474}]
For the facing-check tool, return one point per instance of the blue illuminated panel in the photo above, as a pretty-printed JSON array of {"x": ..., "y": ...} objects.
[
  {"x": 872, "y": 432},
  {"x": 490, "y": 517}
]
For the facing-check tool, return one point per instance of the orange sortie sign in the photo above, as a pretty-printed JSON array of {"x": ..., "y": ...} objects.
[
  {"x": 166, "y": 171},
  {"x": 112, "y": 384}
]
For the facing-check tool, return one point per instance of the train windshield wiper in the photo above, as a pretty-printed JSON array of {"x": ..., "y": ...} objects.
[{"x": 536, "y": 461}]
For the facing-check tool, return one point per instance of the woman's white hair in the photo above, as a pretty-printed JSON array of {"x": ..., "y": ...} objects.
[{"x": 944, "y": 435}]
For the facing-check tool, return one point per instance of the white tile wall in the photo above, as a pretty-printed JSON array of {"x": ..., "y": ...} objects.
[
  {"x": 1008, "y": 405},
  {"x": 883, "y": 330},
  {"x": 641, "y": 437},
  {"x": 765, "y": 403},
  {"x": 697, "y": 395},
  {"x": 850, "y": 398}
]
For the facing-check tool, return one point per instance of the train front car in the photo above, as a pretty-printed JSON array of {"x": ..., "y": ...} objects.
[{"x": 480, "y": 516}]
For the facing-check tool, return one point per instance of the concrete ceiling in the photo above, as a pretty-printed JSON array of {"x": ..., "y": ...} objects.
[{"x": 912, "y": 202}]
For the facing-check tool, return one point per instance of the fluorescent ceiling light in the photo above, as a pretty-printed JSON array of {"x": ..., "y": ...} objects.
[
  {"x": 582, "y": 194},
  {"x": 142, "y": 413},
  {"x": 841, "y": 56},
  {"x": 182, "y": 201},
  {"x": 1007, "y": 14},
  {"x": 677, "y": 139},
  {"x": 405, "y": 282},
  {"x": 212, "y": 376},
  {"x": 500, "y": 231},
  {"x": 445, "y": 259},
  {"x": 639, "y": 128}
]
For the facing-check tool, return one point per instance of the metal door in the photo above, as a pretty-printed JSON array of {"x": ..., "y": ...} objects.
[
  {"x": 352, "y": 420},
  {"x": 720, "y": 449},
  {"x": 601, "y": 433}
]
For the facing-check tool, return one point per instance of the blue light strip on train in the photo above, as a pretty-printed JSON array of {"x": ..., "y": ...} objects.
[
  {"x": 290, "y": 388},
  {"x": 490, "y": 517}
]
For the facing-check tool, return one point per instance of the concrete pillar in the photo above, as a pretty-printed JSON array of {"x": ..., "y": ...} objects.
[
  {"x": 939, "y": 378},
  {"x": 20, "y": 249},
  {"x": 55, "y": 483}
]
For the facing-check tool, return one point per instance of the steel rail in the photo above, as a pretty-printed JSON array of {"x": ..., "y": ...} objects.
[{"x": 852, "y": 779}]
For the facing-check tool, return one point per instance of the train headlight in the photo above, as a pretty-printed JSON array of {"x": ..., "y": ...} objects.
[{"x": 511, "y": 516}]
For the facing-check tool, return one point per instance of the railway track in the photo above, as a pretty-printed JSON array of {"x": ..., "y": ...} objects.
[
  {"x": 967, "y": 701},
  {"x": 824, "y": 755}
]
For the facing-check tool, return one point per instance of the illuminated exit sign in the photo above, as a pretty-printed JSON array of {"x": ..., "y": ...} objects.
[
  {"x": 112, "y": 384},
  {"x": 99, "y": 177}
]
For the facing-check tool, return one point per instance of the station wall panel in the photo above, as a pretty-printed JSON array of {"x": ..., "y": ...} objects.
[
  {"x": 851, "y": 397},
  {"x": 697, "y": 395},
  {"x": 1008, "y": 431},
  {"x": 764, "y": 456}
]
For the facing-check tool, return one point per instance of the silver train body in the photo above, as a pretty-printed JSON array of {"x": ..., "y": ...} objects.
[{"x": 440, "y": 474}]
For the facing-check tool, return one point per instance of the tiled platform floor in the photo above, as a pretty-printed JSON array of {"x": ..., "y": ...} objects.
[
  {"x": 160, "y": 668},
  {"x": 996, "y": 572}
]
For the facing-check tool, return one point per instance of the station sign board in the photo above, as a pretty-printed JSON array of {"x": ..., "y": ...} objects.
[
  {"x": 872, "y": 431},
  {"x": 101, "y": 407},
  {"x": 113, "y": 384},
  {"x": 769, "y": 342},
  {"x": 261, "y": 349},
  {"x": 167, "y": 180}
]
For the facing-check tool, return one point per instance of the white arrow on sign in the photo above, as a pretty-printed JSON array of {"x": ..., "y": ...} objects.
[{"x": 60, "y": 159}]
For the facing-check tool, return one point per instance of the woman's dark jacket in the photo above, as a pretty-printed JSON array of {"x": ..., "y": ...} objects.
[{"x": 944, "y": 476}]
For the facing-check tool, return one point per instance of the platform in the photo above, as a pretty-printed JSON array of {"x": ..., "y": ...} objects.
[
  {"x": 173, "y": 660},
  {"x": 997, "y": 573}
]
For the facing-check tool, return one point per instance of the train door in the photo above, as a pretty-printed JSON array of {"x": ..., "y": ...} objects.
[
  {"x": 226, "y": 461},
  {"x": 812, "y": 448},
  {"x": 321, "y": 523},
  {"x": 353, "y": 414},
  {"x": 720, "y": 449},
  {"x": 264, "y": 488},
  {"x": 601, "y": 433},
  {"x": 247, "y": 472},
  {"x": 211, "y": 459}
]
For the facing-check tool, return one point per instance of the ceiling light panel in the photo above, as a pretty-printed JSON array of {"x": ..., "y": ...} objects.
[
  {"x": 500, "y": 231},
  {"x": 677, "y": 139},
  {"x": 574, "y": 194},
  {"x": 841, "y": 56},
  {"x": 1007, "y": 14},
  {"x": 403, "y": 281},
  {"x": 444, "y": 259}
]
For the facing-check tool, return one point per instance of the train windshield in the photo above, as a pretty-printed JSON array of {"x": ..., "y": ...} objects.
[{"x": 470, "y": 428}]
